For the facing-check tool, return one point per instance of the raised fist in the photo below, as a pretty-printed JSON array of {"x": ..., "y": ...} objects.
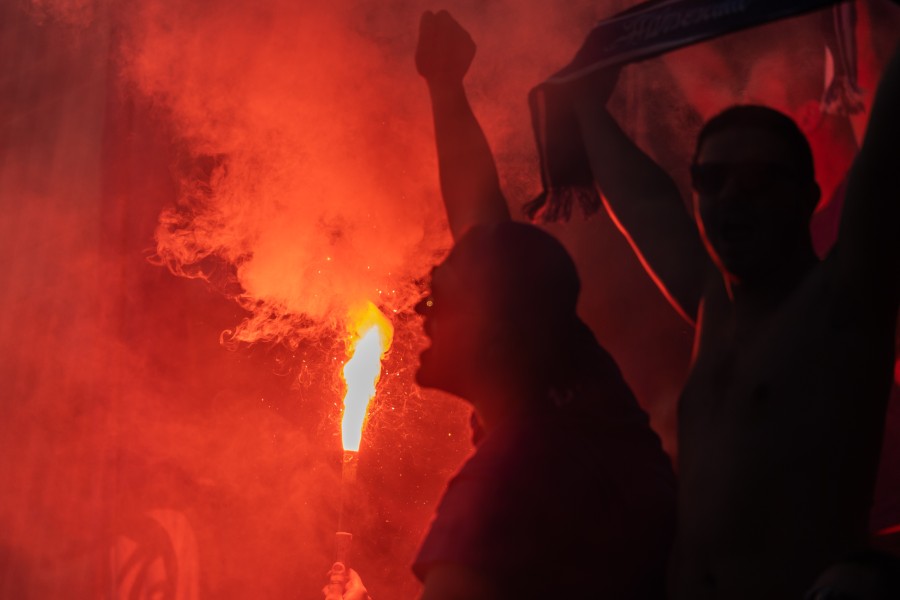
[{"x": 445, "y": 50}]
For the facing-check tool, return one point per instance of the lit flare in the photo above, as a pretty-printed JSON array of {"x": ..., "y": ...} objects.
[{"x": 371, "y": 335}]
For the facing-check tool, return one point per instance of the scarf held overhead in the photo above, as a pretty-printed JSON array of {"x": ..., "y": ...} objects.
[{"x": 643, "y": 31}]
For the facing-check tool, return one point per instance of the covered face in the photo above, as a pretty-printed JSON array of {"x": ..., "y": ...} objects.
[
  {"x": 754, "y": 194},
  {"x": 497, "y": 304}
]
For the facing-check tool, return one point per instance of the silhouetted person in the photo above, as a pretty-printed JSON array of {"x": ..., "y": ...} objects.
[
  {"x": 569, "y": 480},
  {"x": 781, "y": 419},
  {"x": 568, "y": 492}
]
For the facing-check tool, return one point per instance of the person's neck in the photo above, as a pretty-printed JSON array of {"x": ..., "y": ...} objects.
[
  {"x": 759, "y": 295},
  {"x": 499, "y": 402}
]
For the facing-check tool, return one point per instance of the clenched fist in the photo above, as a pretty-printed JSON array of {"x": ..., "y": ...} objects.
[{"x": 445, "y": 50}]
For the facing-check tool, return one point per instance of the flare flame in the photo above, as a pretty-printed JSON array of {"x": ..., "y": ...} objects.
[{"x": 371, "y": 334}]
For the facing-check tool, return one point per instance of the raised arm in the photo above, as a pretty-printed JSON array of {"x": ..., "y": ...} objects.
[
  {"x": 469, "y": 181},
  {"x": 867, "y": 252},
  {"x": 642, "y": 200}
]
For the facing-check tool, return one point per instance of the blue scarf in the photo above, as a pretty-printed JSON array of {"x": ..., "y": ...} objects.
[{"x": 646, "y": 30}]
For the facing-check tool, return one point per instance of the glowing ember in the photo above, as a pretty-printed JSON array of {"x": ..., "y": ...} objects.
[{"x": 370, "y": 338}]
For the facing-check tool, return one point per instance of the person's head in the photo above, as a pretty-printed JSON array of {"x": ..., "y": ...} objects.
[
  {"x": 501, "y": 311},
  {"x": 755, "y": 189}
]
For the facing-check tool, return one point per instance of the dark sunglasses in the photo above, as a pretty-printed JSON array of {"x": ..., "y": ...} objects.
[{"x": 709, "y": 179}]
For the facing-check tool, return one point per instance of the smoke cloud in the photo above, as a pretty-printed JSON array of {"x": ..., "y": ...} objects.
[
  {"x": 307, "y": 169},
  {"x": 316, "y": 195},
  {"x": 278, "y": 158}
]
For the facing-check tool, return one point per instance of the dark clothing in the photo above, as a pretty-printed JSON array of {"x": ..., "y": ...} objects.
[{"x": 562, "y": 500}]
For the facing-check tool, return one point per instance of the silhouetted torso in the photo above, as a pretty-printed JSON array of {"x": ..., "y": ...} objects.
[
  {"x": 556, "y": 497},
  {"x": 780, "y": 428}
]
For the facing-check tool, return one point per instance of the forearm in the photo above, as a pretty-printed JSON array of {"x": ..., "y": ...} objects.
[
  {"x": 468, "y": 175},
  {"x": 628, "y": 178},
  {"x": 646, "y": 205},
  {"x": 868, "y": 240}
]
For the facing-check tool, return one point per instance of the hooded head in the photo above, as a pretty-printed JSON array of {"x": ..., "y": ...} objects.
[{"x": 501, "y": 309}]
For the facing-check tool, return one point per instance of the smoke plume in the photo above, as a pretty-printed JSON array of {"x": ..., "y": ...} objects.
[{"x": 278, "y": 158}]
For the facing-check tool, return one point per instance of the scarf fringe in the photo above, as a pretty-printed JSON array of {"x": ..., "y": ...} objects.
[{"x": 557, "y": 203}]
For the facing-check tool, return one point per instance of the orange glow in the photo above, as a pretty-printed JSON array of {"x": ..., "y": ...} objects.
[{"x": 370, "y": 338}]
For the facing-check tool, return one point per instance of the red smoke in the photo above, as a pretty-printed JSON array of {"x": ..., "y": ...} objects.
[{"x": 280, "y": 156}]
